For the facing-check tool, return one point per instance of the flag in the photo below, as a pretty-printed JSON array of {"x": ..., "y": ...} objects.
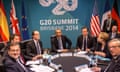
[
  {"x": 115, "y": 14},
  {"x": 95, "y": 23},
  {"x": 25, "y": 34},
  {"x": 107, "y": 11},
  {"x": 4, "y": 36},
  {"x": 14, "y": 20}
]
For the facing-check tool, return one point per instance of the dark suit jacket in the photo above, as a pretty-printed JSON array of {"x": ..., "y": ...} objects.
[
  {"x": 114, "y": 65},
  {"x": 97, "y": 47},
  {"x": 116, "y": 36},
  {"x": 105, "y": 25},
  {"x": 31, "y": 49},
  {"x": 65, "y": 41},
  {"x": 80, "y": 42},
  {"x": 11, "y": 65}
]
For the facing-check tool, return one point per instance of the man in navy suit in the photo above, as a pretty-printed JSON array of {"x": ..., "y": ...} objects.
[
  {"x": 84, "y": 41},
  {"x": 13, "y": 61},
  {"x": 114, "y": 65},
  {"x": 60, "y": 43},
  {"x": 34, "y": 48}
]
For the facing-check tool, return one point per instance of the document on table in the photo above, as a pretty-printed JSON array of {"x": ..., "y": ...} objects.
[
  {"x": 65, "y": 54},
  {"x": 81, "y": 52},
  {"x": 41, "y": 68},
  {"x": 34, "y": 62},
  {"x": 83, "y": 68}
]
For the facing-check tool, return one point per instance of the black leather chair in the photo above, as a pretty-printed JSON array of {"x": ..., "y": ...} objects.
[
  {"x": 2, "y": 48},
  {"x": 51, "y": 41},
  {"x": 23, "y": 48}
]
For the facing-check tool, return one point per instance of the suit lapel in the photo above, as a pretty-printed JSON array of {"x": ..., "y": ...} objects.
[{"x": 19, "y": 68}]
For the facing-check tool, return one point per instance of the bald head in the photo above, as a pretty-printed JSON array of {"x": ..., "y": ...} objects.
[{"x": 58, "y": 32}]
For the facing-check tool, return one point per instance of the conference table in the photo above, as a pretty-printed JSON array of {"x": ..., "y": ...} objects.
[{"x": 69, "y": 62}]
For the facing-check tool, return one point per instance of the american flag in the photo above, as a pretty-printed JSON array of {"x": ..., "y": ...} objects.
[
  {"x": 14, "y": 20},
  {"x": 95, "y": 23}
]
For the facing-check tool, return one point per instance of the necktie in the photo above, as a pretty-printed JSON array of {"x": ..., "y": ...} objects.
[
  {"x": 60, "y": 43},
  {"x": 21, "y": 64},
  {"x": 38, "y": 48},
  {"x": 108, "y": 24},
  {"x": 84, "y": 46},
  {"x": 22, "y": 59},
  {"x": 113, "y": 35}
]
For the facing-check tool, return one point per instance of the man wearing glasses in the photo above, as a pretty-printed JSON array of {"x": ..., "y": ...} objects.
[{"x": 114, "y": 65}]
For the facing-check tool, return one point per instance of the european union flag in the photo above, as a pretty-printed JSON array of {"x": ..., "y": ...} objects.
[{"x": 25, "y": 34}]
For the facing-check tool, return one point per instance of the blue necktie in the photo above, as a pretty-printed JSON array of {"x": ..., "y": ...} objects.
[{"x": 60, "y": 43}]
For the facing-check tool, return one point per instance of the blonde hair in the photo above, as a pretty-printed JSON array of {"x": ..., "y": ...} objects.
[{"x": 104, "y": 36}]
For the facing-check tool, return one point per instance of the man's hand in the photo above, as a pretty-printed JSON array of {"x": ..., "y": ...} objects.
[
  {"x": 96, "y": 69},
  {"x": 37, "y": 57}
]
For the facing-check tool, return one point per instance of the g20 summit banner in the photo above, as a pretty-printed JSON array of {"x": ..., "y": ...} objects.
[
  {"x": 60, "y": 17},
  {"x": 68, "y": 15}
]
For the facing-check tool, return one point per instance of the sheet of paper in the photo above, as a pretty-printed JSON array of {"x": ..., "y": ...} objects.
[
  {"x": 65, "y": 54},
  {"x": 81, "y": 52},
  {"x": 34, "y": 62},
  {"x": 41, "y": 68}
]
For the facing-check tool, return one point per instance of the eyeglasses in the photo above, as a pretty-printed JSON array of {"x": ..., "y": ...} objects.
[{"x": 114, "y": 46}]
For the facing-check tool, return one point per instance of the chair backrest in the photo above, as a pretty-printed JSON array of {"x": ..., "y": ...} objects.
[
  {"x": 2, "y": 45},
  {"x": 2, "y": 67},
  {"x": 24, "y": 43},
  {"x": 52, "y": 39}
]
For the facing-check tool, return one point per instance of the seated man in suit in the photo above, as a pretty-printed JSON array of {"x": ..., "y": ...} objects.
[
  {"x": 114, "y": 33},
  {"x": 13, "y": 61},
  {"x": 34, "y": 48},
  {"x": 60, "y": 43},
  {"x": 84, "y": 41},
  {"x": 114, "y": 65}
]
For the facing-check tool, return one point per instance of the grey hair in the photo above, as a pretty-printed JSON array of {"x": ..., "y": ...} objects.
[{"x": 117, "y": 40}]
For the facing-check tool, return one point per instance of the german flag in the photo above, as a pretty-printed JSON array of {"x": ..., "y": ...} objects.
[{"x": 115, "y": 14}]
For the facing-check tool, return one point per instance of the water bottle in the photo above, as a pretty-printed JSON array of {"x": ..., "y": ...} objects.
[
  {"x": 49, "y": 60},
  {"x": 95, "y": 60},
  {"x": 60, "y": 69},
  {"x": 92, "y": 62}
]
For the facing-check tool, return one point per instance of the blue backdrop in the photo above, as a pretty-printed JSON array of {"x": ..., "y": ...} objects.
[{"x": 45, "y": 18}]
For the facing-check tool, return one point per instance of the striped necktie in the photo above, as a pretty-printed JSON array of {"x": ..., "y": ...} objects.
[{"x": 38, "y": 47}]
